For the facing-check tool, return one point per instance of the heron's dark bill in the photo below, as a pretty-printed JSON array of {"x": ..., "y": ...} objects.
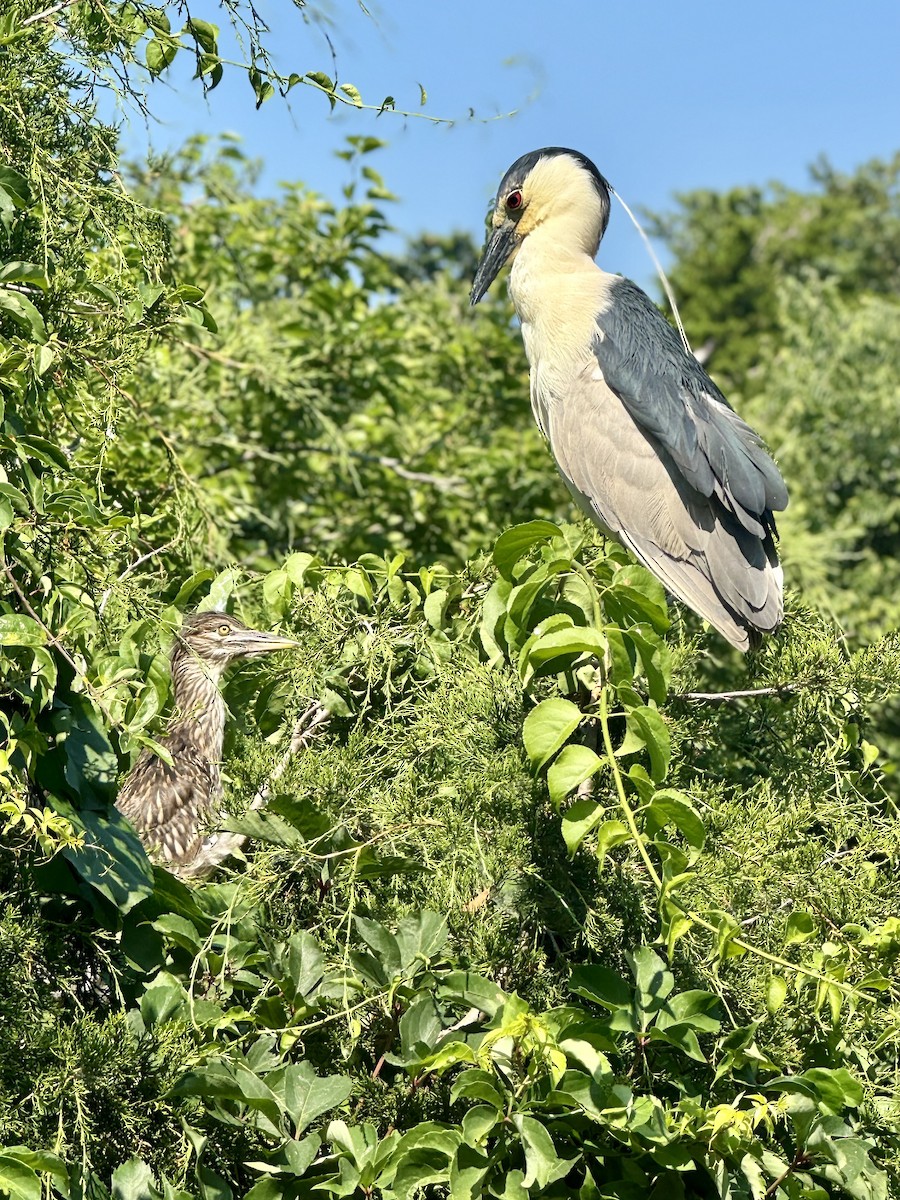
[
  {"x": 499, "y": 246},
  {"x": 252, "y": 642}
]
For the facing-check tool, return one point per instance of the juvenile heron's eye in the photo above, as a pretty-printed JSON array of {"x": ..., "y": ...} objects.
[
  {"x": 514, "y": 201},
  {"x": 224, "y": 630}
]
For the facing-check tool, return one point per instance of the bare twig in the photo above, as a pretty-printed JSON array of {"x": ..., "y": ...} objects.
[
  {"x": 781, "y": 690},
  {"x": 47, "y": 12},
  {"x": 443, "y": 483},
  {"x": 104, "y": 599},
  {"x": 800, "y": 1160}
]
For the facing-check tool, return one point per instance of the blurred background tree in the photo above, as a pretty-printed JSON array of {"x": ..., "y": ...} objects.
[{"x": 193, "y": 377}]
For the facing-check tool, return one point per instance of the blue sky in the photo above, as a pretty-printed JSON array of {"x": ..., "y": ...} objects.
[{"x": 665, "y": 97}]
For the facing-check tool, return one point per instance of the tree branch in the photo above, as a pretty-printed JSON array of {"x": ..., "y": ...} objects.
[{"x": 781, "y": 690}]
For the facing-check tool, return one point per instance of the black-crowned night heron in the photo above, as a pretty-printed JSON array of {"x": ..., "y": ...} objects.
[
  {"x": 173, "y": 805},
  {"x": 645, "y": 441}
]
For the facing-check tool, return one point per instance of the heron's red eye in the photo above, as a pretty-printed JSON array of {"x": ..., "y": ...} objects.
[{"x": 514, "y": 201}]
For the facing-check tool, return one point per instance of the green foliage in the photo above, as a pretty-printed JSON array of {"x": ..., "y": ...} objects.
[
  {"x": 568, "y": 902},
  {"x": 736, "y": 250}
]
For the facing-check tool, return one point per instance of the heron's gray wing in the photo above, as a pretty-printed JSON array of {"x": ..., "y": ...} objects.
[
  {"x": 627, "y": 481},
  {"x": 169, "y": 805},
  {"x": 669, "y": 395}
]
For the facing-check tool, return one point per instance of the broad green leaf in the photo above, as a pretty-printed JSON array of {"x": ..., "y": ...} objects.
[
  {"x": 776, "y": 993},
  {"x": 517, "y": 541},
  {"x": 24, "y": 272},
  {"x": 653, "y": 978},
  {"x": 836, "y": 1087},
  {"x": 569, "y": 770},
  {"x": 603, "y": 986},
  {"x": 220, "y": 591},
  {"x": 579, "y": 820},
  {"x": 304, "y": 961},
  {"x": 16, "y": 630},
  {"x": 352, "y": 93},
  {"x": 800, "y": 928},
  {"x": 493, "y": 615},
  {"x": 382, "y": 941},
  {"x": 17, "y": 1181},
  {"x": 476, "y": 1084},
  {"x": 547, "y": 727},
  {"x": 421, "y": 936},
  {"x": 133, "y": 1180},
  {"x": 541, "y": 1158},
  {"x": 469, "y": 1166},
  {"x": 609, "y": 835},
  {"x": 21, "y": 310},
  {"x": 421, "y": 1027},
  {"x": 307, "y": 1095},
  {"x": 478, "y": 1122},
  {"x": 647, "y": 725},
  {"x": 669, "y": 807},
  {"x": 566, "y": 643}
]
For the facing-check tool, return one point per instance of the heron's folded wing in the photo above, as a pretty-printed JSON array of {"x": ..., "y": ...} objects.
[
  {"x": 669, "y": 395},
  {"x": 630, "y": 484}
]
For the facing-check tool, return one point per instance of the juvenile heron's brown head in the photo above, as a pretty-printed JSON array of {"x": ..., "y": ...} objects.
[{"x": 218, "y": 639}]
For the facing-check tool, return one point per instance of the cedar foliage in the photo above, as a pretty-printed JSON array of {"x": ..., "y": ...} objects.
[{"x": 535, "y": 918}]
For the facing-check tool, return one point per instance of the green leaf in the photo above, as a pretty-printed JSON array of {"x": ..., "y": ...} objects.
[
  {"x": 578, "y": 821},
  {"x": 475, "y": 1084},
  {"x": 352, "y": 93},
  {"x": 603, "y": 986},
  {"x": 420, "y": 1029},
  {"x": 306, "y": 1095},
  {"x": 567, "y": 643},
  {"x": 205, "y": 34},
  {"x": 18, "y": 1181},
  {"x": 14, "y": 190},
  {"x": 420, "y": 936},
  {"x": 800, "y": 928},
  {"x": 776, "y": 993},
  {"x": 572, "y": 766},
  {"x": 382, "y": 941},
  {"x": 647, "y": 725},
  {"x": 515, "y": 542},
  {"x": 610, "y": 835},
  {"x": 474, "y": 991},
  {"x": 220, "y": 591},
  {"x": 541, "y": 1158},
  {"x": 16, "y": 630},
  {"x": 112, "y": 859},
  {"x": 493, "y": 613},
  {"x": 653, "y": 978},
  {"x": 669, "y": 807},
  {"x": 547, "y": 727},
  {"x": 469, "y": 1166},
  {"x": 24, "y": 272},
  {"x": 302, "y": 814},
  {"x": 324, "y": 81},
  {"x": 133, "y": 1180},
  {"x": 836, "y": 1087},
  {"x": 160, "y": 54},
  {"x": 21, "y": 310}
]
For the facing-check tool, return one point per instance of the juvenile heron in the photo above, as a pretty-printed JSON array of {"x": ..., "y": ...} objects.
[
  {"x": 173, "y": 806},
  {"x": 646, "y": 443}
]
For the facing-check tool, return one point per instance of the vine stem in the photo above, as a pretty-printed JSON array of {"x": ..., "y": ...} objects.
[
  {"x": 690, "y": 914},
  {"x": 620, "y": 789}
]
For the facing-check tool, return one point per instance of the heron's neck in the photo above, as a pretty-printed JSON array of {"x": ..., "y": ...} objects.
[
  {"x": 557, "y": 290},
  {"x": 200, "y": 709}
]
